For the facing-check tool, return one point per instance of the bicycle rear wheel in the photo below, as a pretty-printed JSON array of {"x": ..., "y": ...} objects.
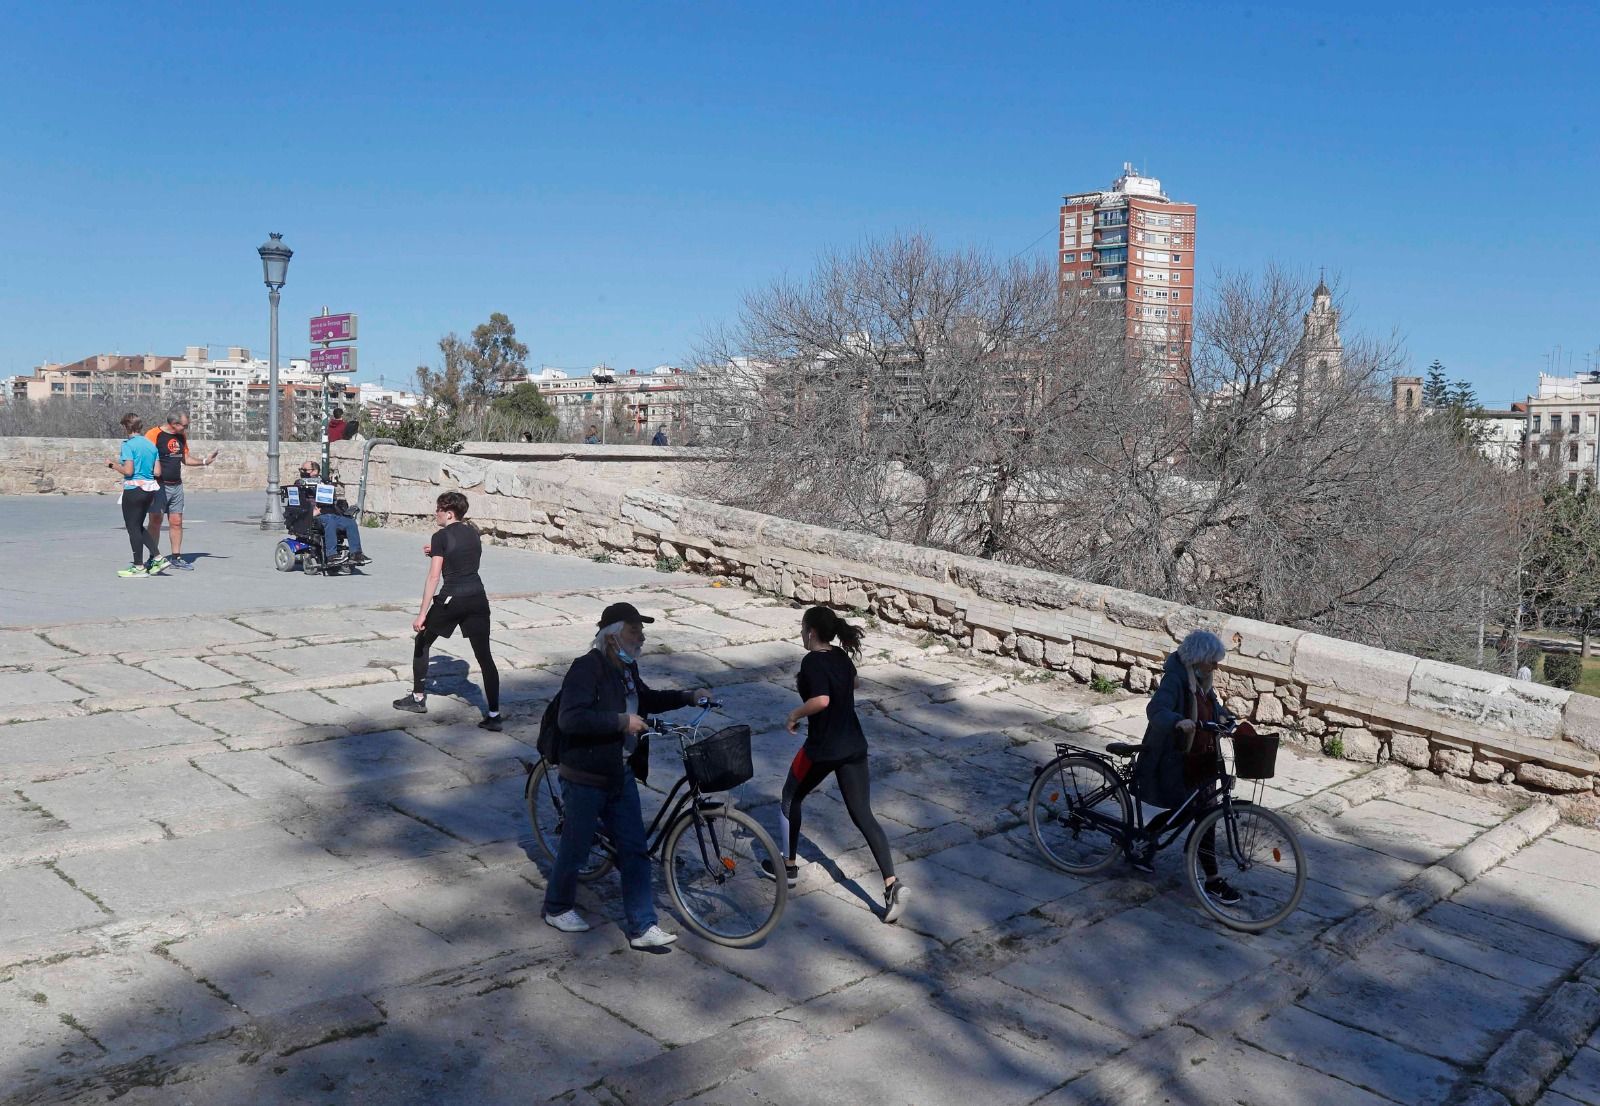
[
  {"x": 714, "y": 876},
  {"x": 1077, "y": 810},
  {"x": 1260, "y": 859},
  {"x": 542, "y": 795}
]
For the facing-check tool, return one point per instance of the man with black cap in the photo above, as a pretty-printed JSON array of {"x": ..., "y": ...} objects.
[{"x": 603, "y": 699}]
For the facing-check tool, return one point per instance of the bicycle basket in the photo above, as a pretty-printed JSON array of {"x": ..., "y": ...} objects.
[
  {"x": 1255, "y": 756},
  {"x": 721, "y": 761}
]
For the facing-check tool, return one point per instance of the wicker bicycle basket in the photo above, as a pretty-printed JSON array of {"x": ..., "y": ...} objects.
[
  {"x": 1255, "y": 756},
  {"x": 721, "y": 761}
]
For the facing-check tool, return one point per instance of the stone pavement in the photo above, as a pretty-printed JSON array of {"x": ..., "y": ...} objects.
[{"x": 232, "y": 873}]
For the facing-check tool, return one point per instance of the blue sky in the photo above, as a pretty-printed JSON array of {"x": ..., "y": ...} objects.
[{"x": 614, "y": 176}]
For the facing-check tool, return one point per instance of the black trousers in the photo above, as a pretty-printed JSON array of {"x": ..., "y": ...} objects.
[{"x": 135, "y": 509}]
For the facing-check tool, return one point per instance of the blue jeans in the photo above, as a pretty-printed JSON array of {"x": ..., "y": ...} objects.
[
  {"x": 333, "y": 526},
  {"x": 584, "y": 808}
]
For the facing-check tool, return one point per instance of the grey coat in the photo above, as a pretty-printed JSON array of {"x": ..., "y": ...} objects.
[{"x": 1158, "y": 771}]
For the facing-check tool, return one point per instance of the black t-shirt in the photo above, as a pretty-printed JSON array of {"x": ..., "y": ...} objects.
[
  {"x": 834, "y": 733},
  {"x": 171, "y": 449},
  {"x": 462, "y": 549}
]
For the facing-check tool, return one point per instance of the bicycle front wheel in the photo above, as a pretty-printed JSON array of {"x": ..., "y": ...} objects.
[
  {"x": 1079, "y": 810},
  {"x": 542, "y": 794},
  {"x": 1261, "y": 869},
  {"x": 713, "y": 859}
]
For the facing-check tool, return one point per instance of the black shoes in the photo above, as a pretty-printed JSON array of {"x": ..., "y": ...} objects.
[
  {"x": 491, "y": 722},
  {"x": 412, "y": 704},
  {"x": 359, "y": 559},
  {"x": 791, "y": 872},
  {"x": 1220, "y": 890},
  {"x": 894, "y": 901},
  {"x": 1142, "y": 859}
]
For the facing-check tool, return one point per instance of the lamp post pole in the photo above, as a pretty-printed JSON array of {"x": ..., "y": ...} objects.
[{"x": 275, "y": 266}]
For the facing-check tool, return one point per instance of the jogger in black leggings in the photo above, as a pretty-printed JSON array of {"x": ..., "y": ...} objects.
[
  {"x": 835, "y": 744},
  {"x": 135, "y": 508},
  {"x": 454, "y": 552},
  {"x": 136, "y": 462}
]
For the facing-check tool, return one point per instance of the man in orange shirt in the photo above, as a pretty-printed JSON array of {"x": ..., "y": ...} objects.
[{"x": 172, "y": 453}]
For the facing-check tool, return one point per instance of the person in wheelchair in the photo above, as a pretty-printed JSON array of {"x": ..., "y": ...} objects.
[
  {"x": 1178, "y": 757},
  {"x": 329, "y": 521}
]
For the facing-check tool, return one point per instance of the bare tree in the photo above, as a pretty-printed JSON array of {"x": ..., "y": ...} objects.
[{"x": 951, "y": 400}]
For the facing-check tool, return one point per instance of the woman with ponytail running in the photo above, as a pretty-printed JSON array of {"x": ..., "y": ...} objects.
[{"x": 835, "y": 745}]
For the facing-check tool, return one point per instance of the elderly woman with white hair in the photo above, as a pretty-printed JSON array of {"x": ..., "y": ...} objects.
[
  {"x": 603, "y": 701},
  {"x": 1178, "y": 755}
]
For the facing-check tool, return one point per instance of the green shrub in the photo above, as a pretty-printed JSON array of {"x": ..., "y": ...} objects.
[
  {"x": 1102, "y": 685},
  {"x": 1335, "y": 747},
  {"x": 669, "y": 564},
  {"x": 1563, "y": 670}
]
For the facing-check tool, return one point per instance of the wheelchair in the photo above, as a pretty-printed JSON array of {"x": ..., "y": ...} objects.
[{"x": 303, "y": 545}]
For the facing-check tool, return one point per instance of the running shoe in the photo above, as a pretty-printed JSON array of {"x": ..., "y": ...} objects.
[
  {"x": 492, "y": 723},
  {"x": 570, "y": 922},
  {"x": 653, "y": 938},
  {"x": 1220, "y": 890},
  {"x": 133, "y": 570},
  {"x": 411, "y": 703},
  {"x": 179, "y": 562},
  {"x": 156, "y": 565},
  {"x": 791, "y": 872},
  {"x": 894, "y": 901},
  {"x": 360, "y": 559}
]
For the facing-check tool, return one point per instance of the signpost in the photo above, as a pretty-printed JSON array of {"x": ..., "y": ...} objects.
[{"x": 327, "y": 329}]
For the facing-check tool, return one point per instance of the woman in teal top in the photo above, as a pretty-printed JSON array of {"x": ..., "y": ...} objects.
[{"x": 137, "y": 464}]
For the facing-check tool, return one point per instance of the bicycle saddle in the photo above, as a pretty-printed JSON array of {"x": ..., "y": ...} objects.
[{"x": 1121, "y": 749}]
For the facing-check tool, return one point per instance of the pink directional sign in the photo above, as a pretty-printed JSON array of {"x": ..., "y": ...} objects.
[
  {"x": 339, "y": 359},
  {"x": 333, "y": 328}
]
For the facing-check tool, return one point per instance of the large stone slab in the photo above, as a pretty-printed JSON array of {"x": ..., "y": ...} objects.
[
  {"x": 279, "y": 964},
  {"x": 190, "y": 672},
  {"x": 488, "y": 913},
  {"x": 36, "y": 687},
  {"x": 1358, "y": 669},
  {"x": 111, "y": 678},
  {"x": 1581, "y": 1079},
  {"x": 1432, "y": 1006},
  {"x": 843, "y": 942},
  {"x": 1444, "y": 942},
  {"x": 345, "y": 761},
  {"x": 1354, "y": 1056},
  {"x": 35, "y": 900},
  {"x": 663, "y": 1008},
  {"x": 1104, "y": 971},
  {"x": 123, "y": 796},
  {"x": 19, "y": 647},
  {"x": 199, "y": 637},
  {"x": 57, "y": 741},
  {"x": 1488, "y": 699},
  {"x": 1235, "y": 1070},
  {"x": 477, "y": 814},
  {"x": 1402, "y": 831},
  {"x": 368, "y": 833},
  {"x": 165, "y": 875}
]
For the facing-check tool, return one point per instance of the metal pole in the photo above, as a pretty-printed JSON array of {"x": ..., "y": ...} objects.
[{"x": 272, "y": 518}]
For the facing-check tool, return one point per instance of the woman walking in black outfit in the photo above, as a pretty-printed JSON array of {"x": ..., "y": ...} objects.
[
  {"x": 835, "y": 745},
  {"x": 454, "y": 551}
]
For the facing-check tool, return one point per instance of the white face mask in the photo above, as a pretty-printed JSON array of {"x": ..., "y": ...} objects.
[{"x": 623, "y": 655}]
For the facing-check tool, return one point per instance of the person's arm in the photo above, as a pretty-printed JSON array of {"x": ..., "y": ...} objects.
[
  {"x": 654, "y": 702},
  {"x": 188, "y": 459},
  {"x": 435, "y": 570},
  {"x": 814, "y": 705}
]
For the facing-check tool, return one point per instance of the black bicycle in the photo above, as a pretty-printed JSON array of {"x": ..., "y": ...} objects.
[
  {"x": 712, "y": 853},
  {"x": 1084, "y": 815}
]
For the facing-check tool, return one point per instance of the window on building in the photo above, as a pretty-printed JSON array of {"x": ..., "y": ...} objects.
[
  {"x": 1572, "y": 481},
  {"x": 1178, "y": 258},
  {"x": 1573, "y": 423},
  {"x": 1572, "y": 452},
  {"x": 1086, "y": 257},
  {"x": 1536, "y": 419}
]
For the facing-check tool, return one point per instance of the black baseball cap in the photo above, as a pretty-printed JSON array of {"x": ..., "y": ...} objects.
[{"x": 622, "y": 612}]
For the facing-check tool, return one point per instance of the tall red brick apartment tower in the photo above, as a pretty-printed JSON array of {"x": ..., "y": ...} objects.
[{"x": 1132, "y": 243}]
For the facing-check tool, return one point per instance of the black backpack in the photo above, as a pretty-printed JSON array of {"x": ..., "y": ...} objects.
[{"x": 550, "y": 731}]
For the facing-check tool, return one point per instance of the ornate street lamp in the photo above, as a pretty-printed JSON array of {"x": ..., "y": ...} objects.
[{"x": 275, "y": 269}]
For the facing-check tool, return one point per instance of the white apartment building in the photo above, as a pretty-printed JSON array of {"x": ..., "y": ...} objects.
[
  {"x": 657, "y": 398},
  {"x": 1564, "y": 427}
]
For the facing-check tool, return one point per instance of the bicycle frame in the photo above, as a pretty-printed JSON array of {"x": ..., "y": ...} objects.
[{"x": 1182, "y": 819}]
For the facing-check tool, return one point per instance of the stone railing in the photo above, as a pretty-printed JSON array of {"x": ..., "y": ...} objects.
[
  {"x": 75, "y": 466},
  {"x": 1366, "y": 704}
]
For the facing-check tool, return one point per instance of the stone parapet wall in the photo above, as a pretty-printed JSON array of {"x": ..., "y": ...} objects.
[
  {"x": 77, "y": 466},
  {"x": 1365, "y": 704}
]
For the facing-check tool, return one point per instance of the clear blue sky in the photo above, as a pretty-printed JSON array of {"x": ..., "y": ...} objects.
[{"x": 613, "y": 176}]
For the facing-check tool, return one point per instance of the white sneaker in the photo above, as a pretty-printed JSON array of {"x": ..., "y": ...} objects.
[
  {"x": 570, "y": 922},
  {"x": 653, "y": 938}
]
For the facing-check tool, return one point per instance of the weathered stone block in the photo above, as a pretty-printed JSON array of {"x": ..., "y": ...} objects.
[
  {"x": 1409, "y": 750},
  {"x": 1030, "y": 649},
  {"x": 1057, "y": 654},
  {"x": 1313, "y": 725},
  {"x": 983, "y": 641},
  {"x": 1580, "y": 722},
  {"x": 1139, "y": 679},
  {"x": 1359, "y": 669},
  {"x": 1488, "y": 699},
  {"x": 1108, "y": 672},
  {"x": 1269, "y": 710},
  {"x": 1093, "y": 651},
  {"x": 1360, "y": 745},
  {"x": 1551, "y": 779},
  {"x": 1452, "y": 762},
  {"x": 1081, "y": 669}
]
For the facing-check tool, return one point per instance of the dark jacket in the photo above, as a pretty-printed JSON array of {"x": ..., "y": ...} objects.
[
  {"x": 1158, "y": 773},
  {"x": 594, "y": 715}
]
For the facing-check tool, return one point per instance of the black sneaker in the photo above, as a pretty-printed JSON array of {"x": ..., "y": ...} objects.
[
  {"x": 489, "y": 722},
  {"x": 360, "y": 559},
  {"x": 791, "y": 872},
  {"x": 411, "y": 703},
  {"x": 1220, "y": 890},
  {"x": 894, "y": 901},
  {"x": 1142, "y": 860}
]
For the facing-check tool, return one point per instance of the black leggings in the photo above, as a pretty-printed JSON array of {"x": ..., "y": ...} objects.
[
  {"x": 480, "y": 650},
  {"x": 135, "y": 506},
  {"x": 855, "y": 785}
]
